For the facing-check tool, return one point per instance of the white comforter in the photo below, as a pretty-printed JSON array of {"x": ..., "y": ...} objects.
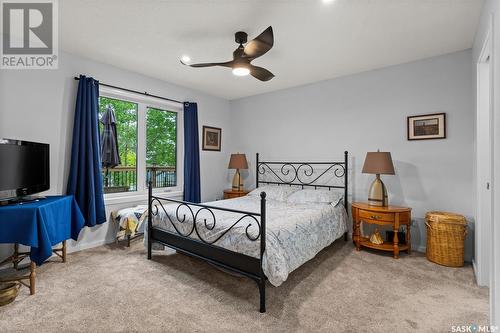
[{"x": 295, "y": 233}]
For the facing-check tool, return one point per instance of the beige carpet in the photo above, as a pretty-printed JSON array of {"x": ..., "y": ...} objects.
[{"x": 115, "y": 289}]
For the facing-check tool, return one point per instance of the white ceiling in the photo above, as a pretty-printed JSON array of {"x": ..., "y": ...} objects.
[{"x": 314, "y": 41}]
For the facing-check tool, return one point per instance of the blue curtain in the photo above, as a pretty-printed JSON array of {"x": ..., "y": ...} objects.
[
  {"x": 85, "y": 178},
  {"x": 192, "y": 190}
]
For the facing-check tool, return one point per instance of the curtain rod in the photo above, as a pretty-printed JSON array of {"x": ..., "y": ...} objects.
[{"x": 136, "y": 92}]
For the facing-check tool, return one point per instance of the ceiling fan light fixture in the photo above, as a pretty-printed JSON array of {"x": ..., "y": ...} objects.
[
  {"x": 241, "y": 71},
  {"x": 241, "y": 64}
]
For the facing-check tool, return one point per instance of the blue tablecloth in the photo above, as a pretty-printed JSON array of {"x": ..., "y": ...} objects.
[{"x": 41, "y": 224}]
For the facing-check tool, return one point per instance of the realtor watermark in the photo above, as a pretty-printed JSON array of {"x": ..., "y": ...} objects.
[
  {"x": 473, "y": 328},
  {"x": 29, "y": 34}
]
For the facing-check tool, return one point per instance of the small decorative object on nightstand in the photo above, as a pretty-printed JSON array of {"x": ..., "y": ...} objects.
[
  {"x": 389, "y": 216},
  {"x": 376, "y": 238},
  {"x": 231, "y": 194}
]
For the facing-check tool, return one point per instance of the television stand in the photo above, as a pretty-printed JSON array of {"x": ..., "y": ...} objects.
[{"x": 22, "y": 200}]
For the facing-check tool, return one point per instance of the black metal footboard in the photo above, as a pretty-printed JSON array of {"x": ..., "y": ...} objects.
[{"x": 194, "y": 217}]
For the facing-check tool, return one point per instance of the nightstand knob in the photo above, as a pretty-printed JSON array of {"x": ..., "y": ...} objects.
[{"x": 376, "y": 217}]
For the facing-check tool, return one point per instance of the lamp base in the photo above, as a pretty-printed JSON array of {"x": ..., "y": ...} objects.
[
  {"x": 378, "y": 193},
  {"x": 237, "y": 181}
]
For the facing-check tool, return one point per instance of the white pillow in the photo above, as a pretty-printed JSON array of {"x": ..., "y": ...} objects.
[
  {"x": 316, "y": 196},
  {"x": 279, "y": 192}
]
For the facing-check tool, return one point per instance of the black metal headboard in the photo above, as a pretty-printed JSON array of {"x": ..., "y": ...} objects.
[{"x": 304, "y": 174}]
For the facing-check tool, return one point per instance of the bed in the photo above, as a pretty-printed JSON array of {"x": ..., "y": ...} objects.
[{"x": 266, "y": 234}]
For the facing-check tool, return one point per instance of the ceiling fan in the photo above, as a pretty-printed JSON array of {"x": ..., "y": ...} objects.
[{"x": 243, "y": 55}]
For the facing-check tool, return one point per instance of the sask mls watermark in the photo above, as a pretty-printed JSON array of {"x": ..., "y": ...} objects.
[
  {"x": 474, "y": 328},
  {"x": 29, "y": 34}
]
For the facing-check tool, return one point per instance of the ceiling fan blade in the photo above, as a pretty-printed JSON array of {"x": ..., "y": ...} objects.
[
  {"x": 260, "y": 45},
  {"x": 209, "y": 64},
  {"x": 261, "y": 73}
]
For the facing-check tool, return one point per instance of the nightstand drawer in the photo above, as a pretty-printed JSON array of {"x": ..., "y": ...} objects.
[{"x": 376, "y": 216}]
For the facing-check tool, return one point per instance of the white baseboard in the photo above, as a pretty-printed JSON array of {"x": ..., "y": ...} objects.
[
  {"x": 420, "y": 248},
  {"x": 477, "y": 276},
  {"x": 78, "y": 247},
  {"x": 89, "y": 245},
  {"x": 474, "y": 269}
]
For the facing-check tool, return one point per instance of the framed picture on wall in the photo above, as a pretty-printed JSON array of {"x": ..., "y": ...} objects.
[
  {"x": 211, "y": 138},
  {"x": 427, "y": 126}
]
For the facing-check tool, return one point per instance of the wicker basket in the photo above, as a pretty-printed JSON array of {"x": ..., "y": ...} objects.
[
  {"x": 8, "y": 292},
  {"x": 445, "y": 238}
]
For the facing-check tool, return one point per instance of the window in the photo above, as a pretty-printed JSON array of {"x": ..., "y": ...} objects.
[
  {"x": 161, "y": 144},
  {"x": 122, "y": 178},
  {"x": 149, "y": 143}
]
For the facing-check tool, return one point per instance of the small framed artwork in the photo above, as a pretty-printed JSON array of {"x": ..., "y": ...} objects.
[
  {"x": 427, "y": 127},
  {"x": 211, "y": 138}
]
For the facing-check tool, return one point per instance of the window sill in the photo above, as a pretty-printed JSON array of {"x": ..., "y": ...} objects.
[{"x": 139, "y": 197}]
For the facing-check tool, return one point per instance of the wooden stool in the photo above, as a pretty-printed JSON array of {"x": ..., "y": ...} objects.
[{"x": 17, "y": 257}]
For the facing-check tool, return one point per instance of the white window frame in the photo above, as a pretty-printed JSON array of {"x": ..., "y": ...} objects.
[{"x": 143, "y": 103}]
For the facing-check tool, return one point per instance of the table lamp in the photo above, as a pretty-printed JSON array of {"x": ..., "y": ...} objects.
[
  {"x": 238, "y": 161},
  {"x": 378, "y": 163}
]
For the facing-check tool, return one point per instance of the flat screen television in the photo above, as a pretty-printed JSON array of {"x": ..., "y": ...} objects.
[{"x": 24, "y": 169}]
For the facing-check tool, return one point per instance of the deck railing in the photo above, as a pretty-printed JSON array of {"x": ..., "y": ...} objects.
[{"x": 124, "y": 178}]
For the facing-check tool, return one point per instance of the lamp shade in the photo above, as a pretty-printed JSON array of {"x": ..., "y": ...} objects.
[
  {"x": 238, "y": 161},
  {"x": 378, "y": 163}
]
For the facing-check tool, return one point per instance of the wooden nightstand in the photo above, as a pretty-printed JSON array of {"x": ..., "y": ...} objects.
[
  {"x": 230, "y": 193},
  {"x": 392, "y": 215}
]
